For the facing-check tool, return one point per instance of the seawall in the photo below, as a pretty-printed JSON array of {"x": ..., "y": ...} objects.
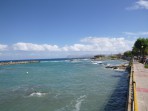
[{"x": 130, "y": 92}]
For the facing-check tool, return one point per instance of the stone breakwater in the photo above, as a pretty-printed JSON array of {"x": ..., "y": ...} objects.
[{"x": 17, "y": 62}]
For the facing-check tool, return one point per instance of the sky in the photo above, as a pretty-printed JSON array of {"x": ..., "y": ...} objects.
[{"x": 31, "y": 29}]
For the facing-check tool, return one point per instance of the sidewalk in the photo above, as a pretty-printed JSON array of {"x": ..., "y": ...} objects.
[{"x": 141, "y": 78}]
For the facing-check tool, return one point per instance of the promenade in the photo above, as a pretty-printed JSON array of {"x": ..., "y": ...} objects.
[{"x": 141, "y": 79}]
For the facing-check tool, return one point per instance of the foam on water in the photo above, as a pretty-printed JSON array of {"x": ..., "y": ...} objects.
[
  {"x": 37, "y": 94},
  {"x": 79, "y": 102},
  {"x": 96, "y": 62},
  {"x": 49, "y": 61},
  {"x": 122, "y": 70}
]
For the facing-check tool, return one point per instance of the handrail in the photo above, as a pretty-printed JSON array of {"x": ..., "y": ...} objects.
[
  {"x": 135, "y": 98},
  {"x": 134, "y": 92}
]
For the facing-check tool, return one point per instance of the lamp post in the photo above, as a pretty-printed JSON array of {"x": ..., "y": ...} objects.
[
  {"x": 139, "y": 54},
  {"x": 142, "y": 53},
  {"x": 141, "y": 50}
]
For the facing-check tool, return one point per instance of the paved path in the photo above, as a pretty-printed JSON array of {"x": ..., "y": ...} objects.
[{"x": 141, "y": 78}]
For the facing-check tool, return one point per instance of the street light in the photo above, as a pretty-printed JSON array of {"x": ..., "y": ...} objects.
[
  {"x": 142, "y": 53},
  {"x": 141, "y": 50}
]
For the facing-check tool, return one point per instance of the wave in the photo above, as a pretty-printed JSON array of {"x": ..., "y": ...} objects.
[
  {"x": 37, "y": 94},
  {"x": 49, "y": 61},
  {"x": 75, "y": 61},
  {"x": 79, "y": 102},
  {"x": 96, "y": 62},
  {"x": 122, "y": 70}
]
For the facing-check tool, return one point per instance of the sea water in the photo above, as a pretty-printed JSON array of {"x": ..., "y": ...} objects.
[{"x": 63, "y": 85}]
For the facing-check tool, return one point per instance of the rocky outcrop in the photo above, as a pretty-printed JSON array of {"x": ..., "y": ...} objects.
[{"x": 123, "y": 66}]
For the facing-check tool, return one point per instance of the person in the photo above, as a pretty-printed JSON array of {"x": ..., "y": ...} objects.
[{"x": 146, "y": 61}]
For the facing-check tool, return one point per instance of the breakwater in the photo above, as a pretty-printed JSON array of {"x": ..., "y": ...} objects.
[{"x": 18, "y": 62}]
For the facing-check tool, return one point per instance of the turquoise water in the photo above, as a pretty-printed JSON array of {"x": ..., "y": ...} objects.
[{"x": 63, "y": 85}]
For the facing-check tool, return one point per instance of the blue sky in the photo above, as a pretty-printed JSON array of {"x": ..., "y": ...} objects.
[{"x": 59, "y": 28}]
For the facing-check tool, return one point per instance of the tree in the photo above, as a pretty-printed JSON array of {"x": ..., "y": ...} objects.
[
  {"x": 128, "y": 54},
  {"x": 135, "y": 51},
  {"x": 140, "y": 46}
]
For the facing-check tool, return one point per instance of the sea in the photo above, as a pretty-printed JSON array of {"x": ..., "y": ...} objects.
[{"x": 63, "y": 85}]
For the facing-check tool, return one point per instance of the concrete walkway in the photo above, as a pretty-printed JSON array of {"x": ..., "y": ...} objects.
[{"x": 141, "y": 78}]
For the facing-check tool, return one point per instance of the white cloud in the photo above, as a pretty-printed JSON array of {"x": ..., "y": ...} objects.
[
  {"x": 3, "y": 47},
  {"x": 88, "y": 44},
  {"x": 106, "y": 44},
  {"x": 78, "y": 47},
  {"x": 143, "y": 4},
  {"x": 136, "y": 33},
  {"x": 51, "y": 47},
  {"x": 140, "y": 4},
  {"x": 34, "y": 47}
]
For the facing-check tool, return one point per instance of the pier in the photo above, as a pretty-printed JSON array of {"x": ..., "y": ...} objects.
[{"x": 138, "y": 88}]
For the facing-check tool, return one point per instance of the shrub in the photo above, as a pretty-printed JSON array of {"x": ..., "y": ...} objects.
[{"x": 146, "y": 66}]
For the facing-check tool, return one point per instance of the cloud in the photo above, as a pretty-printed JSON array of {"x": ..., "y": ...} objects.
[
  {"x": 88, "y": 44},
  {"x": 101, "y": 44},
  {"x": 51, "y": 47},
  {"x": 78, "y": 47},
  {"x": 3, "y": 47},
  {"x": 136, "y": 33},
  {"x": 140, "y": 4},
  {"x": 106, "y": 44},
  {"x": 34, "y": 47}
]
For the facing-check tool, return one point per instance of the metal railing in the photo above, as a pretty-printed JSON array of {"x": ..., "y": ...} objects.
[
  {"x": 134, "y": 102},
  {"x": 134, "y": 93}
]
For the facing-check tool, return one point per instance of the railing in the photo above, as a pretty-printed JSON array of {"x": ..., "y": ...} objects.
[
  {"x": 132, "y": 104},
  {"x": 135, "y": 94}
]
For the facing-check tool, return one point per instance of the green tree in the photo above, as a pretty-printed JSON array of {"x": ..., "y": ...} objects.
[
  {"x": 141, "y": 46},
  {"x": 135, "y": 51},
  {"x": 128, "y": 54}
]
